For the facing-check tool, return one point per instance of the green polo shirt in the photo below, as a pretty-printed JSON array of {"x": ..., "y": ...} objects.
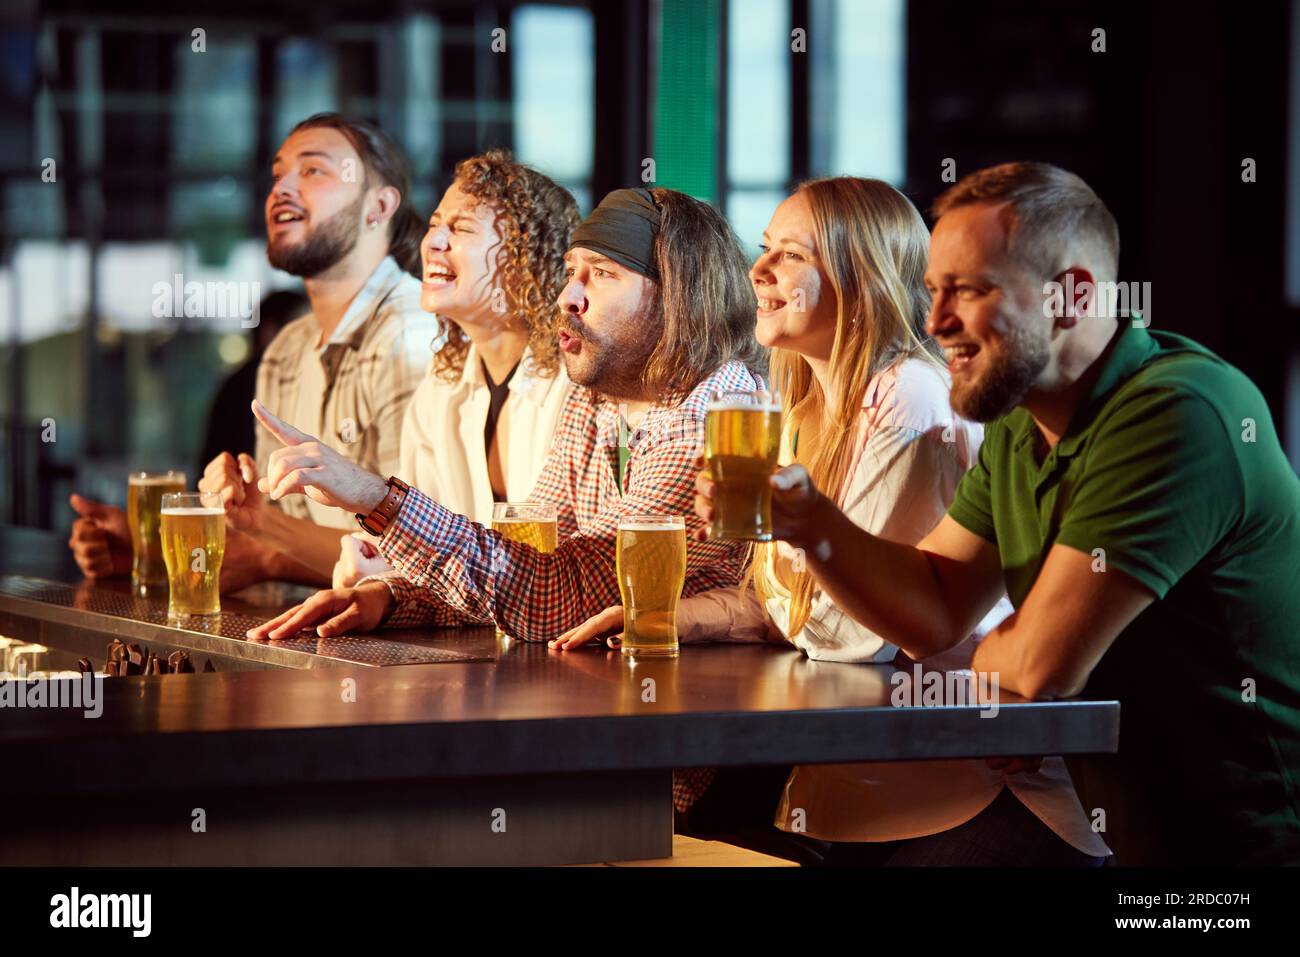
[{"x": 1172, "y": 469}]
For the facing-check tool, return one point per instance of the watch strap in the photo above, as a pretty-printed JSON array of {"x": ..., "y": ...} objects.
[{"x": 377, "y": 522}]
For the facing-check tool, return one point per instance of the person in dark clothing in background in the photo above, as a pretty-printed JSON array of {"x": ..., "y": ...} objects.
[{"x": 227, "y": 430}]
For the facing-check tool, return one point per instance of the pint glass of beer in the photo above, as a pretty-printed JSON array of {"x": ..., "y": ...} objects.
[
  {"x": 143, "y": 505},
  {"x": 742, "y": 439},
  {"x": 193, "y": 542},
  {"x": 651, "y": 561},
  {"x": 528, "y": 523},
  {"x": 525, "y": 522}
]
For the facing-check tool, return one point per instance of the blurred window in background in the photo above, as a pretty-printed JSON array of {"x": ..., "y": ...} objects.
[
  {"x": 859, "y": 89},
  {"x": 421, "y": 106},
  {"x": 304, "y": 83},
  {"x": 163, "y": 157},
  {"x": 758, "y": 114},
  {"x": 828, "y": 101},
  {"x": 554, "y": 93}
]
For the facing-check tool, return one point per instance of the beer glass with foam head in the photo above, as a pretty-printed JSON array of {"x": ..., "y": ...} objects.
[
  {"x": 742, "y": 440},
  {"x": 193, "y": 543},
  {"x": 651, "y": 566},
  {"x": 526, "y": 522},
  {"x": 143, "y": 511}
]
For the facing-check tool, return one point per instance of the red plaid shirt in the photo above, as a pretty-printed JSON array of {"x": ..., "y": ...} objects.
[{"x": 451, "y": 570}]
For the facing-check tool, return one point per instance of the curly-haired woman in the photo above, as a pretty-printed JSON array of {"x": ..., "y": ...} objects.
[{"x": 481, "y": 424}]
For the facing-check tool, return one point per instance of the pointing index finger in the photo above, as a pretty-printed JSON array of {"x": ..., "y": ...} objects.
[{"x": 282, "y": 430}]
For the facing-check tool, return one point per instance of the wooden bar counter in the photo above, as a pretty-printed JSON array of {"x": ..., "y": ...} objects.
[{"x": 437, "y": 747}]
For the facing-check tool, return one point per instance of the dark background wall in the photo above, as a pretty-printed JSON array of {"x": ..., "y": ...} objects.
[{"x": 1159, "y": 125}]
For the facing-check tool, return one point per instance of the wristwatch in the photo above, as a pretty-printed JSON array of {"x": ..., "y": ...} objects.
[{"x": 377, "y": 521}]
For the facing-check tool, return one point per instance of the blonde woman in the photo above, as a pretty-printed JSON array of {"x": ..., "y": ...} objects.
[{"x": 842, "y": 302}]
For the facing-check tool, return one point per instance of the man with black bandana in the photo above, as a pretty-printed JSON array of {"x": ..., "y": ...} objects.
[{"x": 657, "y": 316}]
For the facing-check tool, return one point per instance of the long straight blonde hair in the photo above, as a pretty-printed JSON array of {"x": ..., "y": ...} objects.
[{"x": 872, "y": 245}]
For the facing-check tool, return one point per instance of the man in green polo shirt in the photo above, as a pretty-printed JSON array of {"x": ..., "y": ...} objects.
[{"x": 1132, "y": 498}]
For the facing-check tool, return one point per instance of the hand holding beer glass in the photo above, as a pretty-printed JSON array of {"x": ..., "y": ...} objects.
[
  {"x": 193, "y": 544},
  {"x": 742, "y": 440},
  {"x": 651, "y": 565}
]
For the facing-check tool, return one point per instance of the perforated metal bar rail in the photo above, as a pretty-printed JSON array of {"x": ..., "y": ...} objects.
[{"x": 361, "y": 649}]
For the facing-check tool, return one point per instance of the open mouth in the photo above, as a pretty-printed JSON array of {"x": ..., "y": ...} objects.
[
  {"x": 283, "y": 216},
  {"x": 439, "y": 276},
  {"x": 767, "y": 306},
  {"x": 569, "y": 342},
  {"x": 959, "y": 356}
]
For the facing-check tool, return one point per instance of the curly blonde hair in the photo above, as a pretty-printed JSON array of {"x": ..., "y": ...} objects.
[{"x": 535, "y": 217}]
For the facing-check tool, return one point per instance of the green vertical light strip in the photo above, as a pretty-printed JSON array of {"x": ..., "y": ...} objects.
[{"x": 686, "y": 106}]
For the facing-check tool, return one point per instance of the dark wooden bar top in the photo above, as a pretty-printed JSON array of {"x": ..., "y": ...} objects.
[{"x": 506, "y": 708}]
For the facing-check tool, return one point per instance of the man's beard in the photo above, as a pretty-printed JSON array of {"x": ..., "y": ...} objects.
[
  {"x": 616, "y": 368},
  {"x": 324, "y": 246},
  {"x": 1010, "y": 372}
]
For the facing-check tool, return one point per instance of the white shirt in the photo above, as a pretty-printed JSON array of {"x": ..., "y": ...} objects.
[
  {"x": 442, "y": 449},
  {"x": 912, "y": 452}
]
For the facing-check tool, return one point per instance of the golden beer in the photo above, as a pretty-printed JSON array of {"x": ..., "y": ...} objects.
[
  {"x": 533, "y": 525},
  {"x": 651, "y": 565},
  {"x": 528, "y": 523},
  {"x": 194, "y": 542},
  {"x": 742, "y": 439},
  {"x": 143, "y": 505}
]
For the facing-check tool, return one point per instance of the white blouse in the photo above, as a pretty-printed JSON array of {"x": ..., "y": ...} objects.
[
  {"x": 442, "y": 449},
  {"x": 913, "y": 451}
]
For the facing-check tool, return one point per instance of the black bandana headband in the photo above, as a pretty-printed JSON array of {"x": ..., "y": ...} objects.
[{"x": 623, "y": 227}]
